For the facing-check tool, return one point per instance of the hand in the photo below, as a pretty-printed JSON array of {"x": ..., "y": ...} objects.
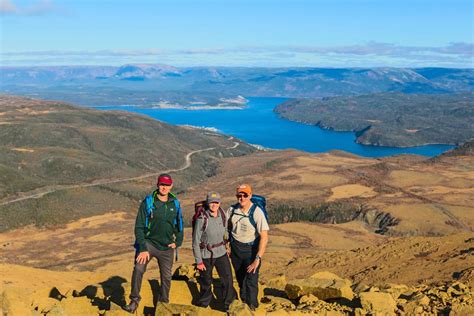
[
  {"x": 201, "y": 266},
  {"x": 227, "y": 249},
  {"x": 253, "y": 267},
  {"x": 173, "y": 245},
  {"x": 143, "y": 257}
]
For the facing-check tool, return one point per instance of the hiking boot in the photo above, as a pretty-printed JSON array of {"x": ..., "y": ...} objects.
[{"x": 132, "y": 307}]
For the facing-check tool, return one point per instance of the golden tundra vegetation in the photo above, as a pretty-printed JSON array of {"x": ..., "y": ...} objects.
[
  {"x": 350, "y": 236},
  {"x": 431, "y": 248}
]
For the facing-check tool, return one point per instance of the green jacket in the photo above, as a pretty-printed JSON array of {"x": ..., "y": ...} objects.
[{"x": 163, "y": 230}]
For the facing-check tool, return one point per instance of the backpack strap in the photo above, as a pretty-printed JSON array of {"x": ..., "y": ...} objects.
[
  {"x": 210, "y": 247},
  {"x": 205, "y": 218},
  {"x": 149, "y": 207},
  {"x": 179, "y": 215},
  {"x": 251, "y": 213},
  {"x": 232, "y": 213},
  {"x": 224, "y": 220}
]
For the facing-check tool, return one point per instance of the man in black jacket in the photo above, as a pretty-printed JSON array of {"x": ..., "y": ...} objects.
[{"x": 158, "y": 231}]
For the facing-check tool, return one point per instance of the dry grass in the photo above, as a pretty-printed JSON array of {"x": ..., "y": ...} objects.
[
  {"x": 351, "y": 190},
  {"x": 408, "y": 178}
]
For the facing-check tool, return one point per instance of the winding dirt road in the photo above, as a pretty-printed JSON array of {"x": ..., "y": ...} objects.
[{"x": 186, "y": 165}]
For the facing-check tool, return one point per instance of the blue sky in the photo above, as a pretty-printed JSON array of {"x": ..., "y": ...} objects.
[{"x": 323, "y": 33}]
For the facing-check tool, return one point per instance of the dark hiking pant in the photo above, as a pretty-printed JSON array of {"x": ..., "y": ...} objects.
[
  {"x": 222, "y": 265},
  {"x": 242, "y": 256},
  {"x": 165, "y": 263}
]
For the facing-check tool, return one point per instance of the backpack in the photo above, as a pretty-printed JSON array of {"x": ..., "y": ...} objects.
[
  {"x": 257, "y": 200},
  {"x": 200, "y": 211}
]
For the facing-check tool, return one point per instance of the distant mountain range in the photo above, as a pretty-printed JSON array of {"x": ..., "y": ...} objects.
[
  {"x": 390, "y": 119},
  {"x": 233, "y": 81},
  {"x": 406, "y": 121}
]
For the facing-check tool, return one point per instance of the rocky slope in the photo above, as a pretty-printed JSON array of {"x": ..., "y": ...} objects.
[{"x": 302, "y": 286}]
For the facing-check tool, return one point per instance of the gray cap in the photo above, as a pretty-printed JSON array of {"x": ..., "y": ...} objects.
[{"x": 213, "y": 197}]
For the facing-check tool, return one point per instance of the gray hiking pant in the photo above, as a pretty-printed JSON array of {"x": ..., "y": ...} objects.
[{"x": 165, "y": 263}]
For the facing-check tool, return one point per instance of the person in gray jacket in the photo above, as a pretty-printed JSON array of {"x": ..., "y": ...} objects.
[{"x": 209, "y": 249}]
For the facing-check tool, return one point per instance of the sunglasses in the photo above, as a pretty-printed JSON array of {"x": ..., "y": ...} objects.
[{"x": 242, "y": 195}]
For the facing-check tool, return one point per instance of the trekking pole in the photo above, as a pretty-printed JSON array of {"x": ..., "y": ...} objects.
[{"x": 175, "y": 249}]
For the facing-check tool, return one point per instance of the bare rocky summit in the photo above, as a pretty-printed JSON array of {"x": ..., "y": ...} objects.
[{"x": 323, "y": 293}]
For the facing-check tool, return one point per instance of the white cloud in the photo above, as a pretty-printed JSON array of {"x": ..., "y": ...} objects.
[
  {"x": 42, "y": 7},
  {"x": 368, "y": 54},
  {"x": 6, "y": 6}
]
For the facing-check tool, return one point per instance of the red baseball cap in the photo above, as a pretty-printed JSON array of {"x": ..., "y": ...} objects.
[{"x": 164, "y": 179}]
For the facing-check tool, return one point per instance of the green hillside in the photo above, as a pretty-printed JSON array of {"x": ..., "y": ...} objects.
[{"x": 46, "y": 145}]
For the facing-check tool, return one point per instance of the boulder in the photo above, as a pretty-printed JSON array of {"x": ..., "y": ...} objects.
[
  {"x": 185, "y": 271},
  {"x": 461, "y": 309},
  {"x": 378, "y": 303},
  {"x": 77, "y": 306},
  {"x": 323, "y": 285},
  {"x": 395, "y": 290},
  {"x": 308, "y": 299},
  {"x": 277, "y": 303},
  {"x": 280, "y": 312},
  {"x": 180, "y": 309},
  {"x": 237, "y": 308},
  {"x": 278, "y": 282}
]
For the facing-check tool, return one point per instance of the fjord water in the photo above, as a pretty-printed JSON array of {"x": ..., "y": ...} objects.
[{"x": 258, "y": 124}]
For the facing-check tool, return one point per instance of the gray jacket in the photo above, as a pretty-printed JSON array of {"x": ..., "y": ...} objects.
[{"x": 213, "y": 235}]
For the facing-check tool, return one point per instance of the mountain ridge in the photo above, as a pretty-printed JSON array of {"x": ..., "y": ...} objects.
[{"x": 278, "y": 82}]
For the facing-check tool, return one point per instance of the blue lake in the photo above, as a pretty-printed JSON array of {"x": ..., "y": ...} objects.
[{"x": 257, "y": 124}]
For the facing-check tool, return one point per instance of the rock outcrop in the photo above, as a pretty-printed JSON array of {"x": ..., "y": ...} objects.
[
  {"x": 375, "y": 303},
  {"x": 323, "y": 293},
  {"x": 323, "y": 285}
]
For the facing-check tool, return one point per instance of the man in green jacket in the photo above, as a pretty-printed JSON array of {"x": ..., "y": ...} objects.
[{"x": 158, "y": 232}]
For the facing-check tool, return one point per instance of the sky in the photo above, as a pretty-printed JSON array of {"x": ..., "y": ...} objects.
[{"x": 248, "y": 33}]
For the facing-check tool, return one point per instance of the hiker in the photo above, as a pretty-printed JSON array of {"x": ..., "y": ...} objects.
[
  {"x": 248, "y": 234},
  {"x": 158, "y": 232},
  {"x": 209, "y": 249}
]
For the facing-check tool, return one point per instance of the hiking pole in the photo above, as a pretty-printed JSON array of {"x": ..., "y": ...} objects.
[{"x": 175, "y": 249}]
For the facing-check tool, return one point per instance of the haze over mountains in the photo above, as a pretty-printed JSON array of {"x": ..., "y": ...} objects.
[
  {"x": 278, "y": 82},
  {"x": 413, "y": 116}
]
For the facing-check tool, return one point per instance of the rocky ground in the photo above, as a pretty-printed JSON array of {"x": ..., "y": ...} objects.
[
  {"x": 323, "y": 293},
  {"x": 309, "y": 268}
]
